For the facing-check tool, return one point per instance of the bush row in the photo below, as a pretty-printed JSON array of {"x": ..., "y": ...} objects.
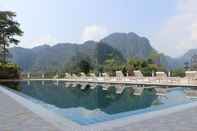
[{"x": 9, "y": 71}]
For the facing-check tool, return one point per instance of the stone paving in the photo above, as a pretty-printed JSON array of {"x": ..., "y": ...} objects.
[
  {"x": 180, "y": 121},
  {"x": 16, "y": 117}
]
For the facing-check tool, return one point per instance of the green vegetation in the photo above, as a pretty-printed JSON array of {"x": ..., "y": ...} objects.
[
  {"x": 109, "y": 60},
  {"x": 84, "y": 66},
  {"x": 155, "y": 57},
  {"x": 102, "y": 58},
  {"x": 180, "y": 72},
  {"x": 9, "y": 71},
  {"x": 79, "y": 64},
  {"x": 146, "y": 66},
  {"x": 9, "y": 30},
  {"x": 111, "y": 65}
]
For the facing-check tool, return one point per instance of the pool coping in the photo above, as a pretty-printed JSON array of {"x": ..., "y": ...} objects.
[{"x": 64, "y": 123}]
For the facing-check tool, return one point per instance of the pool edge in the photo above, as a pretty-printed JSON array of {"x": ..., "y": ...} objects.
[{"x": 66, "y": 123}]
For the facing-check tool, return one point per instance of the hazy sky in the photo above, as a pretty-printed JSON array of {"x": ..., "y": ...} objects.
[{"x": 170, "y": 25}]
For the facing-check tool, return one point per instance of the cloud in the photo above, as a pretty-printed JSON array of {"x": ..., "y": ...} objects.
[
  {"x": 93, "y": 32},
  {"x": 179, "y": 33}
]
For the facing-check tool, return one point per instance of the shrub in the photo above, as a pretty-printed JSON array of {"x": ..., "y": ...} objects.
[{"x": 9, "y": 71}]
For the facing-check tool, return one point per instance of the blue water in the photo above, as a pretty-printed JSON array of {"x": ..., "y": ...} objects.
[{"x": 90, "y": 106}]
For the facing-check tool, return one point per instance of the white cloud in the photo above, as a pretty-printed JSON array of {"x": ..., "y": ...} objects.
[
  {"x": 93, "y": 32},
  {"x": 179, "y": 33}
]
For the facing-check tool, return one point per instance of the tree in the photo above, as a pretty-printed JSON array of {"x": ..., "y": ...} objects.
[
  {"x": 112, "y": 65},
  {"x": 146, "y": 66},
  {"x": 154, "y": 57},
  {"x": 180, "y": 72},
  {"x": 79, "y": 63},
  {"x": 124, "y": 70},
  {"x": 147, "y": 71},
  {"x": 85, "y": 66},
  {"x": 130, "y": 66},
  {"x": 9, "y": 29}
]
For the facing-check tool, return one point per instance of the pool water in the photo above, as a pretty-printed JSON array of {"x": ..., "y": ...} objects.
[{"x": 90, "y": 106}]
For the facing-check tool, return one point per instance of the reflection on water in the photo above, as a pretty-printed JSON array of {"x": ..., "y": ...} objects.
[
  {"x": 13, "y": 85},
  {"x": 93, "y": 105},
  {"x": 107, "y": 101}
]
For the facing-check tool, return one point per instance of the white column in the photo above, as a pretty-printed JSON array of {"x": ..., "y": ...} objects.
[
  {"x": 153, "y": 74},
  {"x": 169, "y": 74},
  {"x": 28, "y": 75},
  {"x": 43, "y": 76}
]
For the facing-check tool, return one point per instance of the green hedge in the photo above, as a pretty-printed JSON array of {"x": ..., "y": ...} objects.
[{"x": 9, "y": 71}]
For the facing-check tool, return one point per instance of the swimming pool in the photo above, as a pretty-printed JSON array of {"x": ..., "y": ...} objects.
[{"x": 89, "y": 106}]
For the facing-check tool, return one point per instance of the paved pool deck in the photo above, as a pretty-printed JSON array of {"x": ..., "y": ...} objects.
[
  {"x": 179, "y": 121},
  {"x": 14, "y": 116}
]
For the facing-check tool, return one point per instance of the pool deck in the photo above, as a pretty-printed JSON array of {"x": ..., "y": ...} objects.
[
  {"x": 14, "y": 116},
  {"x": 180, "y": 121}
]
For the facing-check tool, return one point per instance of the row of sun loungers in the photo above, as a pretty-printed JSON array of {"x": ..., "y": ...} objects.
[
  {"x": 160, "y": 77},
  {"x": 137, "y": 74},
  {"x": 137, "y": 77}
]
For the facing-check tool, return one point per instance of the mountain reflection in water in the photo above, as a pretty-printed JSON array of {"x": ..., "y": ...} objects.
[{"x": 73, "y": 97}]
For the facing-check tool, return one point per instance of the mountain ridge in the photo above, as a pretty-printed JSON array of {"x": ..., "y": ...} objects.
[{"x": 124, "y": 45}]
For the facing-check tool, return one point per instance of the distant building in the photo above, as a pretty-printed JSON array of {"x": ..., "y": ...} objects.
[{"x": 194, "y": 62}]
